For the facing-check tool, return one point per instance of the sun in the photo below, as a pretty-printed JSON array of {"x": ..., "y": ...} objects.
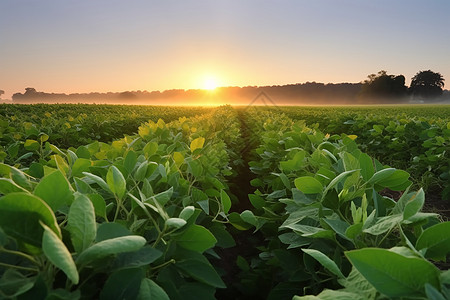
[{"x": 210, "y": 84}]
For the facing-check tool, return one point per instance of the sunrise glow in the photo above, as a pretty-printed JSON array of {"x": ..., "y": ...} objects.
[{"x": 210, "y": 84}]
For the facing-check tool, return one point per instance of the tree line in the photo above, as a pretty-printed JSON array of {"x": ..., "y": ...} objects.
[{"x": 377, "y": 88}]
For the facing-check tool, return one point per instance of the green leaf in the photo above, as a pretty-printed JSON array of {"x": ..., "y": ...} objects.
[
  {"x": 435, "y": 240},
  {"x": 187, "y": 212},
  {"x": 55, "y": 190},
  {"x": 384, "y": 224},
  {"x": 332, "y": 295},
  {"x": 57, "y": 253},
  {"x": 256, "y": 201},
  {"x": 130, "y": 161},
  {"x": 414, "y": 205},
  {"x": 196, "y": 238},
  {"x": 394, "y": 179},
  {"x": 31, "y": 145},
  {"x": 140, "y": 258},
  {"x": 325, "y": 261},
  {"x": 110, "y": 230},
  {"x": 98, "y": 180},
  {"x": 110, "y": 247},
  {"x": 150, "y": 290},
  {"x": 8, "y": 186},
  {"x": 123, "y": 284},
  {"x": 308, "y": 185},
  {"x": 197, "y": 143},
  {"x": 225, "y": 200},
  {"x": 393, "y": 274},
  {"x": 141, "y": 171},
  {"x": 79, "y": 166},
  {"x": 81, "y": 223},
  {"x": 249, "y": 217},
  {"x": 381, "y": 175},
  {"x": 175, "y": 222},
  {"x": 20, "y": 214},
  {"x": 116, "y": 182},
  {"x": 13, "y": 283},
  {"x": 338, "y": 179},
  {"x": 99, "y": 205},
  {"x": 150, "y": 148},
  {"x": 433, "y": 293},
  {"x": 367, "y": 167},
  {"x": 202, "y": 271}
]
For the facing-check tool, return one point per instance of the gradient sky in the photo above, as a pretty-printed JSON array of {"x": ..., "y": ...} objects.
[{"x": 115, "y": 45}]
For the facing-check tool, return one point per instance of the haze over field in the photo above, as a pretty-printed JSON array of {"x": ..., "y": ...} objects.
[{"x": 116, "y": 46}]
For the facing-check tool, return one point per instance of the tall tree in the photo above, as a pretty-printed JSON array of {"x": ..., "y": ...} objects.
[
  {"x": 384, "y": 86},
  {"x": 427, "y": 84}
]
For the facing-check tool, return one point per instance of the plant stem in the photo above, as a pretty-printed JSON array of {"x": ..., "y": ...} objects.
[
  {"x": 29, "y": 257},
  {"x": 19, "y": 267}
]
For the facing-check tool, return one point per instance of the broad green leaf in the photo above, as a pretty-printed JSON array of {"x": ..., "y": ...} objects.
[
  {"x": 20, "y": 214},
  {"x": 332, "y": 295},
  {"x": 175, "y": 222},
  {"x": 116, "y": 182},
  {"x": 79, "y": 166},
  {"x": 196, "y": 238},
  {"x": 225, "y": 200},
  {"x": 141, "y": 171},
  {"x": 123, "y": 284},
  {"x": 325, "y": 261},
  {"x": 150, "y": 148},
  {"x": 308, "y": 185},
  {"x": 393, "y": 274},
  {"x": 414, "y": 205},
  {"x": 187, "y": 212},
  {"x": 150, "y": 290},
  {"x": 338, "y": 179},
  {"x": 394, "y": 179},
  {"x": 81, "y": 223},
  {"x": 367, "y": 167},
  {"x": 381, "y": 175},
  {"x": 31, "y": 145},
  {"x": 142, "y": 257},
  {"x": 98, "y": 180},
  {"x": 197, "y": 143},
  {"x": 130, "y": 161},
  {"x": 99, "y": 205},
  {"x": 433, "y": 293},
  {"x": 55, "y": 250},
  {"x": 249, "y": 217},
  {"x": 201, "y": 271},
  {"x": 435, "y": 240},
  {"x": 178, "y": 158},
  {"x": 13, "y": 283},
  {"x": 55, "y": 190},
  {"x": 384, "y": 224},
  {"x": 110, "y": 230},
  {"x": 109, "y": 247},
  {"x": 256, "y": 201},
  {"x": 61, "y": 164},
  {"x": 8, "y": 186},
  {"x": 294, "y": 240}
]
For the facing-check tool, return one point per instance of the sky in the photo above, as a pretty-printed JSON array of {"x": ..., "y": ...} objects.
[{"x": 79, "y": 46}]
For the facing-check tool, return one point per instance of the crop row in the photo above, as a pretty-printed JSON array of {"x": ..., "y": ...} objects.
[
  {"x": 25, "y": 129},
  {"x": 135, "y": 218},
  {"x": 329, "y": 226},
  {"x": 416, "y": 139}
]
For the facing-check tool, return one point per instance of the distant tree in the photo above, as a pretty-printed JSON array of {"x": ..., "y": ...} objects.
[
  {"x": 427, "y": 84},
  {"x": 384, "y": 86},
  {"x": 2, "y": 92}
]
